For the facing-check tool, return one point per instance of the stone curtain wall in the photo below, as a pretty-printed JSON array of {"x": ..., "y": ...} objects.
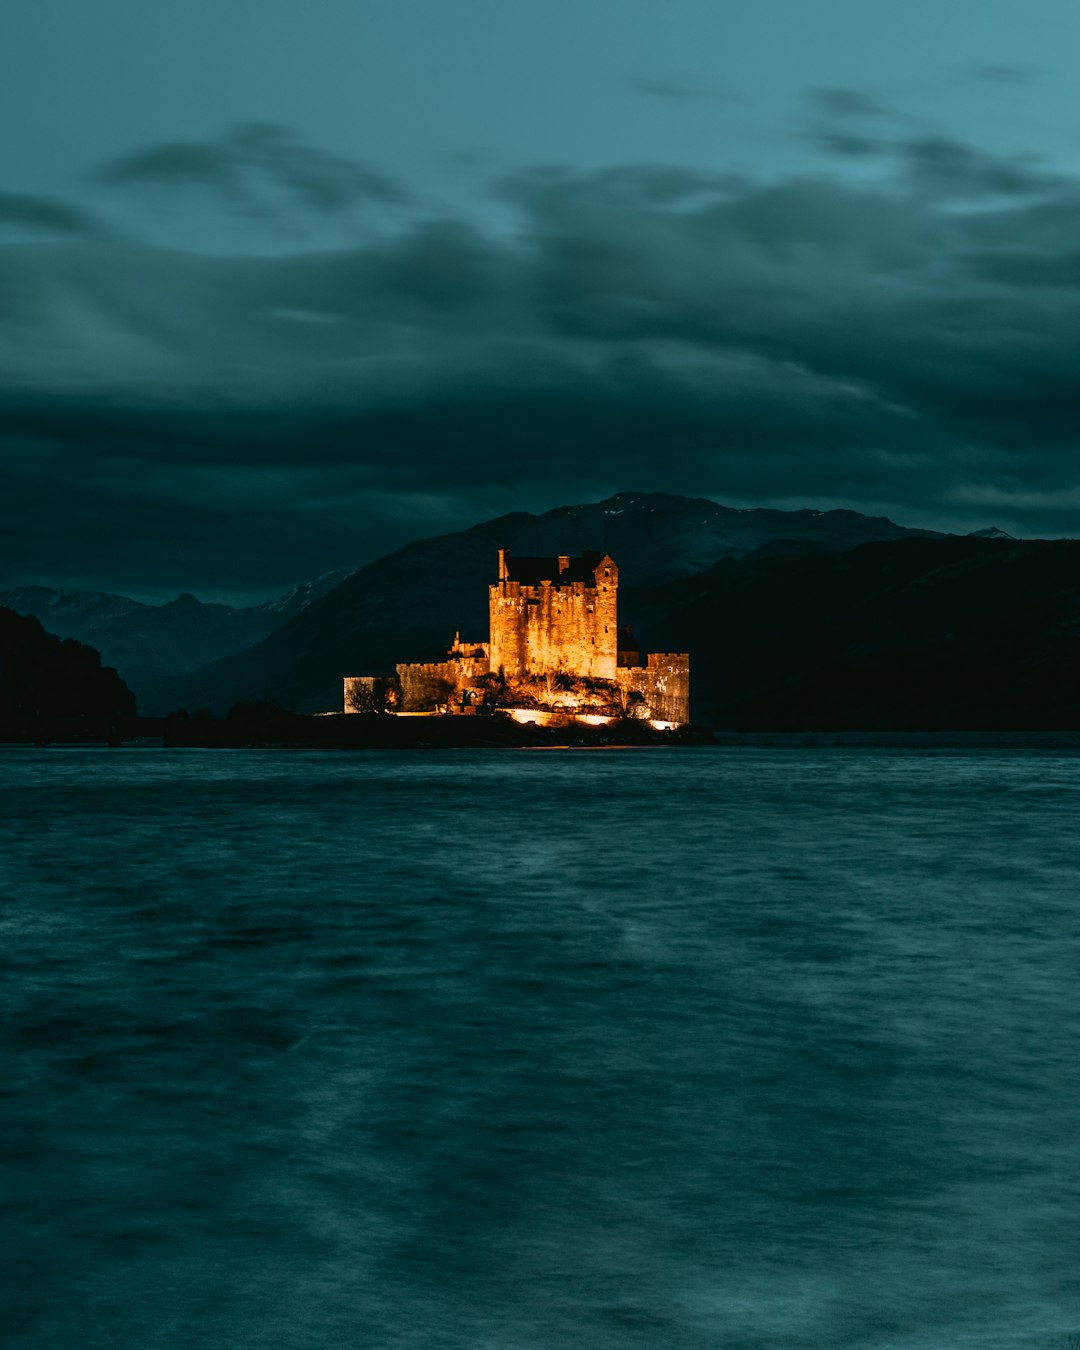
[
  {"x": 425, "y": 686},
  {"x": 664, "y": 686}
]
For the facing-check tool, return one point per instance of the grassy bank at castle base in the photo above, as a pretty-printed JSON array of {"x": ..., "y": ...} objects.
[{"x": 339, "y": 732}]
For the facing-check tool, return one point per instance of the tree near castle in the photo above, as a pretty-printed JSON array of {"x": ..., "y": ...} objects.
[{"x": 374, "y": 696}]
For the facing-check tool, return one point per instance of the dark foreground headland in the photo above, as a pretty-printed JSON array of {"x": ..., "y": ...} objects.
[
  {"x": 358, "y": 732},
  {"x": 283, "y": 730}
]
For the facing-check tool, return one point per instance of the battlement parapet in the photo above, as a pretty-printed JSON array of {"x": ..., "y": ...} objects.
[{"x": 427, "y": 684}]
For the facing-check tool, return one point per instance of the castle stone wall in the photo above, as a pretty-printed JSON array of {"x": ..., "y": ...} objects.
[
  {"x": 663, "y": 684},
  {"x": 425, "y": 685}
]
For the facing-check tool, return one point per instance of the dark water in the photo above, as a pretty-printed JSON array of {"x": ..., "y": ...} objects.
[{"x": 530, "y": 1050}]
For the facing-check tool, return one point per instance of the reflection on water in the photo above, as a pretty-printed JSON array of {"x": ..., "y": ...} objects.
[{"x": 749, "y": 1049}]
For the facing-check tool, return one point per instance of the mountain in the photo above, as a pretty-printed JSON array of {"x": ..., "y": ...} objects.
[
  {"x": 69, "y": 614},
  {"x": 287, "y": 606},
  {"x": 149, "y": 643},
  {"x": 794, "y": 620},
  {"x": 43, "y": 677},
  {"x": 917, "y": 634},
  {"x": 181, "y": 635},
  {"x": 407, "y": 605}
]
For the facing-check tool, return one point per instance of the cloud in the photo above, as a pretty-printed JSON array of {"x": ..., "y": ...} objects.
[
  {"x": 23, "y": 214},
  {"x": 177, "y": 162},
  {"x": 947, "y": 168},
  {"x": 227, "y": 422},
  {"x": 1004, "y": 73},
  {"x": 849, "y": 122},
  {"x": 857, "y": 125},
  {"x": 684, "y": 88},
  {"x": 843, "y": 102},
  {"x": 839, "y": 142},
  {"x": 255, "y": 189},
  {"x": 256, "y": 168}
]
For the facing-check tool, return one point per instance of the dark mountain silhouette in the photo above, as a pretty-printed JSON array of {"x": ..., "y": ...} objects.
[
  {"x": 287, "y": 606},
  {"x": 148, "y": 643},
  {"x": 918, "y": 634},
  {"x": 794, "y": 620},
  {"x": 406, "y": 606},
  {"x": 181, "y": 635},
  {"x": 46, "y": 677},
  {"x": 70, "y": 614}
]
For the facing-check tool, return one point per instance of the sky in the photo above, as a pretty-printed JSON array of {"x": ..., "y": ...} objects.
[{"x": 283, "y": 287}]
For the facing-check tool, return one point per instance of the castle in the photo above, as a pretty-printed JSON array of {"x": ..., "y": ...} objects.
[{"x": 555, "y": 653}]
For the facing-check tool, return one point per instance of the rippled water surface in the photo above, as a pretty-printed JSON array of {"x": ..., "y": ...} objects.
[{"x": 743, "y": 1049}]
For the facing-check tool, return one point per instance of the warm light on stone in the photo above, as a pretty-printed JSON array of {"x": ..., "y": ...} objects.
[{"x": 554, "y": 643}]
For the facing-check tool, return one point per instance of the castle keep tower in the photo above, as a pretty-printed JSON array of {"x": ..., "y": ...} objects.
[
  {"x": 556, "y": 652},
  {"x": 554, "y": 614}
]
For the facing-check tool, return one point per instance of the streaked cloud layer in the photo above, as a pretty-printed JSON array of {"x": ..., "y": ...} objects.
[{"x": 244, "y": 359}]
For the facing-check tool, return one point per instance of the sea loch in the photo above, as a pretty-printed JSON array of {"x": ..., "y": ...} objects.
[{"x": 535, "y": 1050}]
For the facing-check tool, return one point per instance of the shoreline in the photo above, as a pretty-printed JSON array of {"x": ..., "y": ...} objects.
[{"x": 357, "y": 732}]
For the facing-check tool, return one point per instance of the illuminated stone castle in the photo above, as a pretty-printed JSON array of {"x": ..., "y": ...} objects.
[{"x": 556, "y": 653}]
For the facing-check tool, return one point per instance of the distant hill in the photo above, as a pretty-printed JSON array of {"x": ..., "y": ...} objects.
[
  {"x": 918, "y": 634},
  {"x": 287, "y": 606},
  {"x": 407, "y": 605},
  {"x": 43, "y": 677},
  {"x": 795, "y": 620},
  {"x": 149, "y": 643},
  {"x": 70, "y": 614}
]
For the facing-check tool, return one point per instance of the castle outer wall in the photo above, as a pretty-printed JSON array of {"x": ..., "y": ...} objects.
[
  {"x": 438, "y": 684},
  {"x": 662, "y": 687}
]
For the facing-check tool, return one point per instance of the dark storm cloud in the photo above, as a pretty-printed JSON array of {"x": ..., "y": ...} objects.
[
  {"x": 42, "y": 215},
  {"x": 243, "y": 421},
  {"x": 839, "y": 142},
  {"x": 848, "y": 103},
  {"x": 256, "y": 151},
  {"x": 947, "y": 168},
  {"x": 850, "y": 122}
]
